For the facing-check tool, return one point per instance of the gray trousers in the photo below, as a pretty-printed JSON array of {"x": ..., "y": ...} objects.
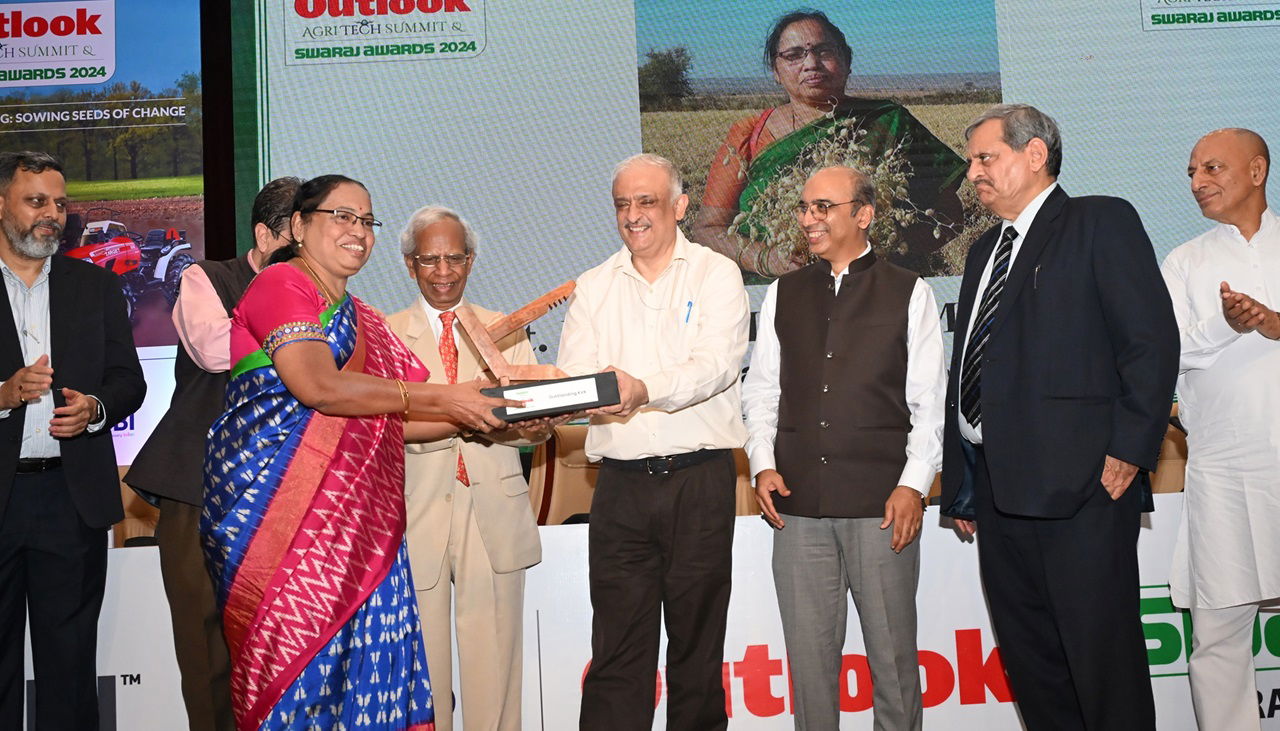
[{"x": 816, "y": 562}]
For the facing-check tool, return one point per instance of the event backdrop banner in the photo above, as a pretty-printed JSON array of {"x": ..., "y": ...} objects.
[{"x": 112, "y": 88}]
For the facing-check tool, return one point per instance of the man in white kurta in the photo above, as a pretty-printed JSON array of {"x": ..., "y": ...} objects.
[{"x": 1225, "y": 285}]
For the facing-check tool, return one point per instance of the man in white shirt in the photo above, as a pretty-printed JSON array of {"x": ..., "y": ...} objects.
[
  {"x": 1225, "y": 284},
  {"x": 670, "y": 318},
  {"x": 845, "y": 430}
]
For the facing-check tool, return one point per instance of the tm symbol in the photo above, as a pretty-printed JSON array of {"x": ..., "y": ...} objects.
[{"x": 130, "y": 678}]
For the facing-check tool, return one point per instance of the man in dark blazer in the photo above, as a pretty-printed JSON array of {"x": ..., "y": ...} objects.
[
  {"x": 1064, "y": 361},
  {"x": 70, "y": 371}
]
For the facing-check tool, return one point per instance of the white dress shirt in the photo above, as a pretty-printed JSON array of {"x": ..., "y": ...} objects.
[
  {"x": 684, "y": 335},
  {"x": 1021, "y": 224},
  {"x": 1229, "y": 401},
  {"x": 926, "y": 386}
]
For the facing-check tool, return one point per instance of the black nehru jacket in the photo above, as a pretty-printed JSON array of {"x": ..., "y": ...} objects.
[
  {"x": 171, "y": 463},
  {"x": 843, "y": 418}
]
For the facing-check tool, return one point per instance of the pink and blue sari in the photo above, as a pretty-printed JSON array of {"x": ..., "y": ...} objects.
[{"x": 303, "y": 528}]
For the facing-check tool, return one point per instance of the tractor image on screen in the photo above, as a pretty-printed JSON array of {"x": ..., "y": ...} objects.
[{"x": 145, "y": 263}]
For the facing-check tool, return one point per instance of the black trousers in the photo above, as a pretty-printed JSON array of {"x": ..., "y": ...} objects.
[
  {"x": 1064, "y": 602},
  {"x": 198, "y": 643},
  {"x": 660, "y": 545},
  {"x": 54, "y": 565}
]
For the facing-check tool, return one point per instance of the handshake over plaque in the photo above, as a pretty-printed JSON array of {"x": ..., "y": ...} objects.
[{"x": 548, "y": 390}]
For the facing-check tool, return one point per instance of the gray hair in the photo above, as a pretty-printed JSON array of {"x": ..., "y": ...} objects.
[
  {"x": 862, "y": 187},
  {"x": 1021, "y": 124},
  {"x": 428, "y": 215},
  {"x": 648, "y": 158},
  {"x": 30, "y": 160}
]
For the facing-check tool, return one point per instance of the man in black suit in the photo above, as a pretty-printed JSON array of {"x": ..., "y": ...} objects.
[
  {"x": 70, "y": 371},
  {"x": 1063, "y": 369}
]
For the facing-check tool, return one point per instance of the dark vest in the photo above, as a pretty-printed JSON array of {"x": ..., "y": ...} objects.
[
  {"x": 842, "y": 415},
  {"x": 171, "y": 463}
]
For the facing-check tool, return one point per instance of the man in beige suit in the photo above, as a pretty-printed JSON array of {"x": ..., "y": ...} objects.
[{"x": 471, "y": 530}]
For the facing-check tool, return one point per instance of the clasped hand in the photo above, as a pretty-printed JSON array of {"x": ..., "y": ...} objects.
[{"x": 32, "y": 382}]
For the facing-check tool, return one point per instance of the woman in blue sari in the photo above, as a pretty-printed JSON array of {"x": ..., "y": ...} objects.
[{"x": 304, "y": 482}]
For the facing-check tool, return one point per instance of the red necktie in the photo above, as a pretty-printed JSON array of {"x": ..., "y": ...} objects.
[{"x": 449, "y": 356}]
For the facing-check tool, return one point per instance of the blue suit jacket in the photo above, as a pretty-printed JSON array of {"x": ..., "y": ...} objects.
[{"x": 1081, "y": 362}]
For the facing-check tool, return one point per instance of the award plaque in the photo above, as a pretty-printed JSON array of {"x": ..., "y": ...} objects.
[
  {"x": 549, "y": 390},
  {"x": 556, "y": 397}
]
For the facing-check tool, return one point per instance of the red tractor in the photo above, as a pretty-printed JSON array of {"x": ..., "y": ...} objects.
[{"x": 143, "y": 263}]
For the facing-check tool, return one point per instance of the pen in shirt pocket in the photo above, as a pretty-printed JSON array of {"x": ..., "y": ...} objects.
[
  {"x": 1035, "y": 277},
  {"x": 688, "y": 310}
]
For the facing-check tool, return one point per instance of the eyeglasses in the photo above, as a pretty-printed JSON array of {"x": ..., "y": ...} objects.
[
  {"x": 820, "y": 51},
  {"x": 431, "y": 261},
  {"x": 347, "y": 218},
  {"x": 818, "y": 209}
]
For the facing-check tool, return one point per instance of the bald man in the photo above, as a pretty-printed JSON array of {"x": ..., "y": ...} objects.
[
  {"x": 1225, "y": 285},
  {"x": 845, "y": 436}
]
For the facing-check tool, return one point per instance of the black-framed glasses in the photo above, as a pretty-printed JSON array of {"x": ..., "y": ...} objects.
[
  {"x": 820, "y": 51},
  {"x": 347, "y": 218},
  {"x": 431, "y": 261},
  {"x": 818, "y": 209}
]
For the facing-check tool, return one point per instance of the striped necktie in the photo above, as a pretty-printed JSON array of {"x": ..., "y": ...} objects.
[
  {"x": 449, "y": 356},
  {"x": 971, "y": 368}
]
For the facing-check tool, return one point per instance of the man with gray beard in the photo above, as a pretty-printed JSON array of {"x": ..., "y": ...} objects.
[{"x": 70, "y": 370}]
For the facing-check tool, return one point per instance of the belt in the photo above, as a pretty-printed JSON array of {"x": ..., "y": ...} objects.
[
  {"x": 29, "y": 465},
  {"x": 665, "y": 465}
]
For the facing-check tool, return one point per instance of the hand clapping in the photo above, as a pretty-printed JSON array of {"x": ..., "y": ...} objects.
[{"x": 1245, "y": 314}]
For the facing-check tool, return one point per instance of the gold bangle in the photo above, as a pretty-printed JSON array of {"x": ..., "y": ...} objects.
[{"x": 404, "y": 394}]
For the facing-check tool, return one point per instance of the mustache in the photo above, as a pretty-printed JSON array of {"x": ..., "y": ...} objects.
[{"x": 50, "y": 222}]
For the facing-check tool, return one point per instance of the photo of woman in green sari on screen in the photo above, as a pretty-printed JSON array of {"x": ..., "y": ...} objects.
[
  {"x": 755, "y": 178},
  {"x": 891, "y": 100}
]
